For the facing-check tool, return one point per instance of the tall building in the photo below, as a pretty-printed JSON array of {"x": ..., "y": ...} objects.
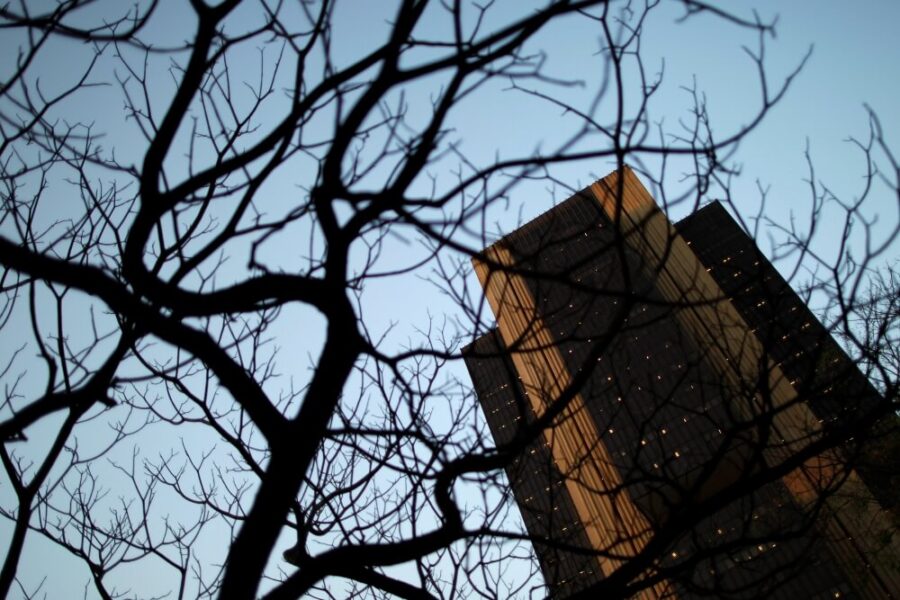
[{"x": 649, "y": 377}]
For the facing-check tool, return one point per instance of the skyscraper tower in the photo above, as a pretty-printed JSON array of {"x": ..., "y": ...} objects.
[{"x": 667, "y": 390}]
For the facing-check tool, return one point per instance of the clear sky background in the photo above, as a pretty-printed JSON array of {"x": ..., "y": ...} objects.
[{"x": 855, "y": 61}]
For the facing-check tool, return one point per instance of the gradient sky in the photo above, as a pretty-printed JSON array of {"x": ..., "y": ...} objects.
[{"x": 855, "y": 61}]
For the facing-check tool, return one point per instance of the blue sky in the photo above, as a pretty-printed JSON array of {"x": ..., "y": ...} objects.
[{"x": 854, "y": 62}]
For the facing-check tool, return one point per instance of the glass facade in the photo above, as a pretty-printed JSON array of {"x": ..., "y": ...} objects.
[{"x": 643, "y": 425}]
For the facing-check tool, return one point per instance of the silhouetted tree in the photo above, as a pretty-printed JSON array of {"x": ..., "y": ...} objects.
[{"x": 195, "y": 197}]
